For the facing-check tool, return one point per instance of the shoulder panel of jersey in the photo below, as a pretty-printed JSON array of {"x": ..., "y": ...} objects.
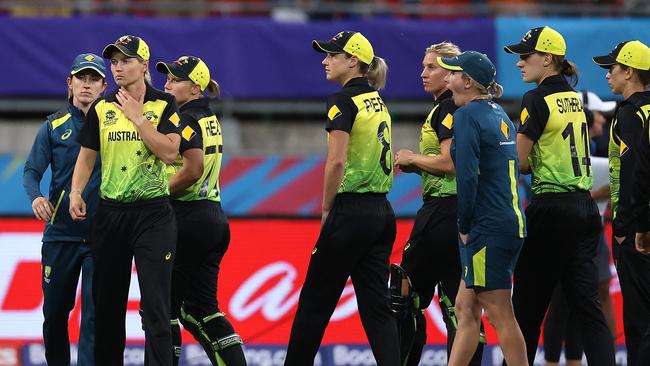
[
  {"x": 641, "y": 100},
  {"x": 130, "y": 172},
  {"x": 435, "y": 185},
  {"x": 58, "y": 118},
  {"x": 560, "y": 158},
  {"x": 369, "y": 164},
  {"x": 207, "y": 186}
]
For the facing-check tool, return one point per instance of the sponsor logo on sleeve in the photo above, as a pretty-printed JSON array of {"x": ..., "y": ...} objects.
[
  {"x": 333, "y": 113},
  {"x": 448, "y": 121},
  {"x": 174, "y": 119},
  {"x": 524, "y": 116},
  {"x": 188, "y": 133}
]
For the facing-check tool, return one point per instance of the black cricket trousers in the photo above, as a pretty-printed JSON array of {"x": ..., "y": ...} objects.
[
  {"x": 204, "y": 235},
  {"x": 203, "y": 238},
  {"x": 355, "y": 241},
  {"x": 563, "y": 230},
  {"x": 145, "y": 230},
  {"x": 633, "y": 270},
  {"x": 431, "y": 259}
]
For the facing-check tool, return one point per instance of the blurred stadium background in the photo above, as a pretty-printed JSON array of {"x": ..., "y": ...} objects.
[{"x": 272, "y": 107}]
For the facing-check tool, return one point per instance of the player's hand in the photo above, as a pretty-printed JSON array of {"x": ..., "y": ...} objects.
[
  {"x": 77, "y": 207},
  {"x": 43, "y": 209},
  {"x": 402, "y": 161},
  {"x": 131, "y": 107},
  {"x": 402, "y": 157},
  {"x": 642, "y": 242},
  {"x": 464, "y": 237}
]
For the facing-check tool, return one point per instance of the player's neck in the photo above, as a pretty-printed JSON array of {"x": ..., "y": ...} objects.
[
  {"x": 81, "y": 106},
  {"x": 632, "y": 88},
  {"x": 137, "y": 89},
  {"x": 437, "y": 94}
]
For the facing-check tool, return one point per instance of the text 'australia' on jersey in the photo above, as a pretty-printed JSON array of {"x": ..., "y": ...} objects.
[
  {"x": 130, "y": 172},
  {"x": 359, "y": 110},
  {"x": 437, "y": 128},
  {"x": 200, "y": 129},
  {"x": 553, "y": 117}
]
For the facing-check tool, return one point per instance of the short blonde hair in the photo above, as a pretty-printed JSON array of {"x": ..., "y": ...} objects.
[{"x": 444, "y": 49}]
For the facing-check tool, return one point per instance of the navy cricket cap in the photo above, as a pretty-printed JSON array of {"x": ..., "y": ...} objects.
[
  {"x": 88, "y": 61},
  {"x": 542, "y": 39},
  {"x": 353, "y": 43},
  {"x": 475, "y": 64},
  {"x": 130, "y": 46},
  {"x": 187, "y": 68},
  {"x": 634, "y": 54}
]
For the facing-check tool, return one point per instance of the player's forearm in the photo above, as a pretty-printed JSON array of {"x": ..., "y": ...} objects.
[
  {"x": 524, "y": 147},
  {"x": 184, "y": 178},
  {"x": 436, "y": 165},
  {"x": 82, "y": 170},
  {"x": 334, "y": 170},
  {"x": 165, "y": 147}
]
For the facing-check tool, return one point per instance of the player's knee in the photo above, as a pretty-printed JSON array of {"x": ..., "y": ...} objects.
[
  {"x": 467, "y": 313},
  {"x": 154, "y": 326},
  {"x": 497, "y": 316},
  {"x": 404, "y": 301},
  {"x": 216, "y": 327}
]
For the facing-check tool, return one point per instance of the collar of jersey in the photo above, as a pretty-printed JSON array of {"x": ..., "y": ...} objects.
[
  {"x": 643, "y": 97},
  {"x": 196, "y": 103},
  {"x": 74, "y": 111},
  {"x": 446, "y": 95},
  {"x": 636, "y": 99},
  {"x": 362, "y": 80},
  {"x": 555, "y": 79}
]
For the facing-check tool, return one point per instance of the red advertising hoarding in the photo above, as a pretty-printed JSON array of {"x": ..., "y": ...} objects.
[{"x": 259, "y": 284}]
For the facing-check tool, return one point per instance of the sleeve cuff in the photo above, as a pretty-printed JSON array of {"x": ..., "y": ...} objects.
[
  {"x": 463, "y": 228},
  {"x": 34, "y": 197}
]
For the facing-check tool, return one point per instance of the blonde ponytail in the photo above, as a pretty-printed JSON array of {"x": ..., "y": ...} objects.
[
  {"x": 495, "y": 90},
  {"x": 147, "y": 77},
  {"x": 377, "y": 73},
  {"x": 214, "y": 91}
]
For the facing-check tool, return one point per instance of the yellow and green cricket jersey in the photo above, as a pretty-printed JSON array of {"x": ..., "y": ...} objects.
[
  {"x": 625, "y": 131},
  {"x": 130, "y": 172},
  {"x": 437, "y": 128},
  {"x": 553, "y": 117},
  {"x": 200, "y": 129},
  {"x": 359, "y": 110}
]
